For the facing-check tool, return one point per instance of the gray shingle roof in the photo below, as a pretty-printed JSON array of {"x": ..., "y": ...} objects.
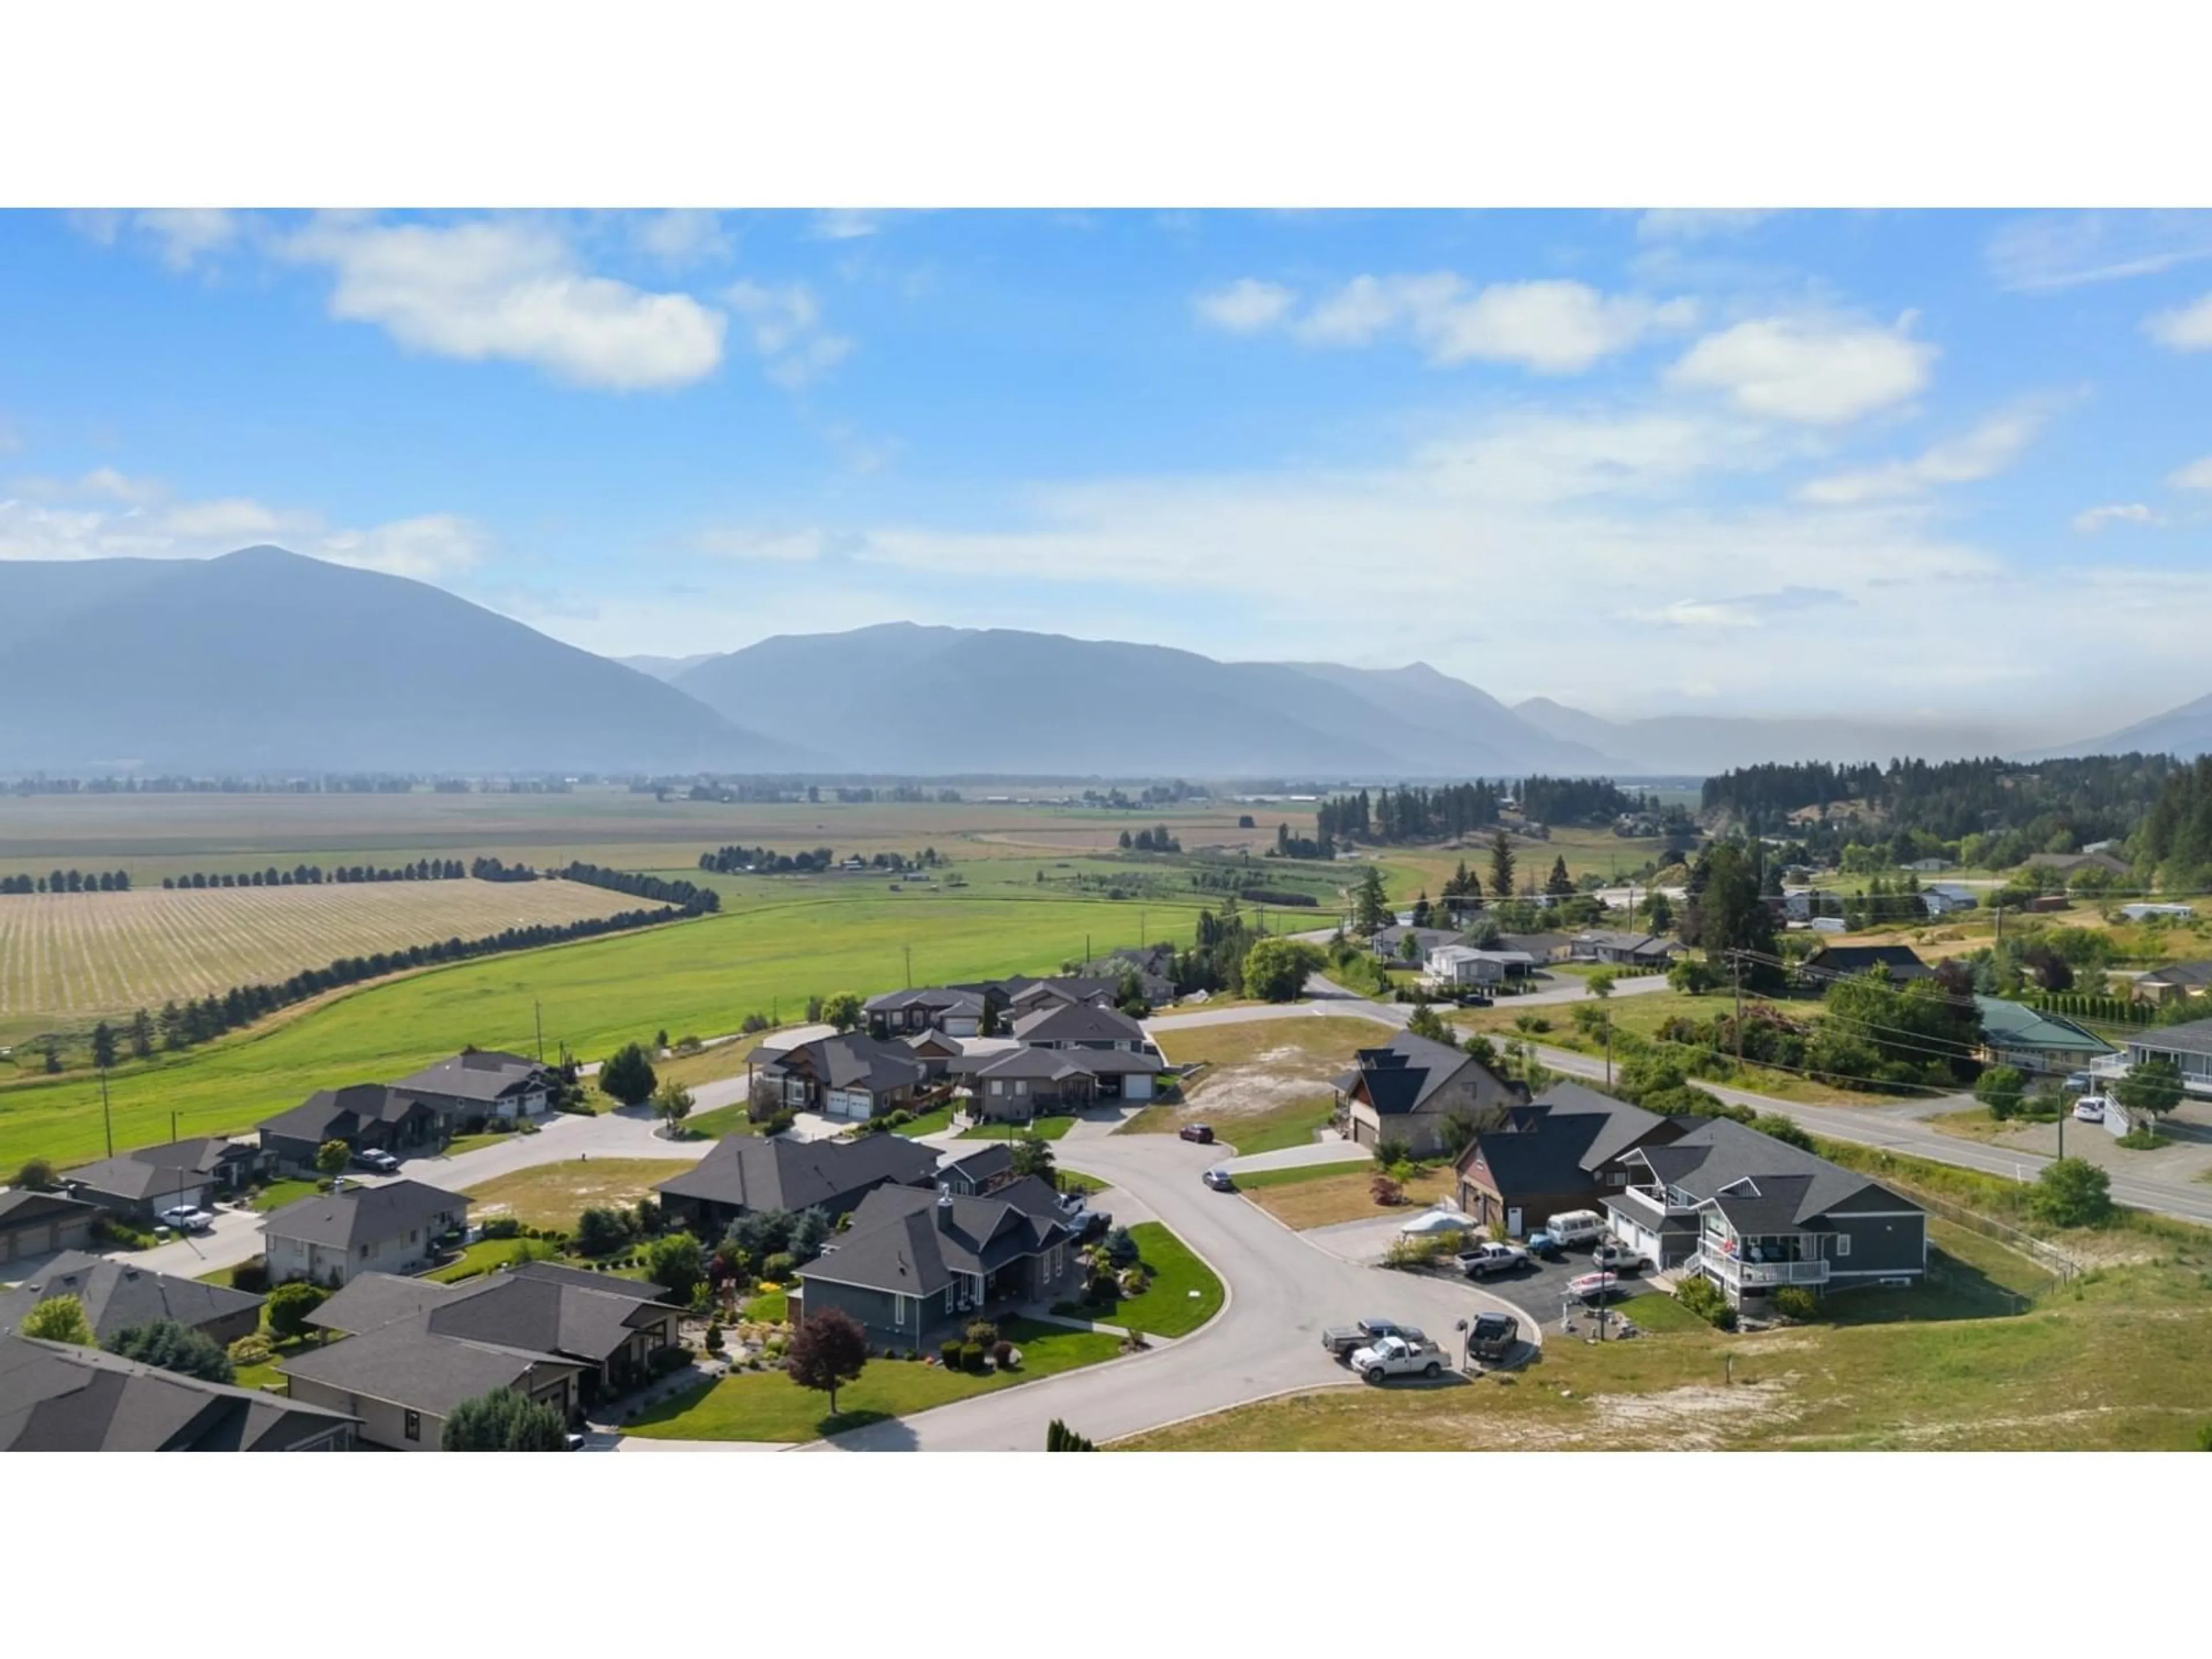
[
  {"x": 747, "y": 1172},
  {"x": 1763, "y": 1179},
  {"x": 363, "y": 1215},
  {"x": 408, "y": 1364},
  {"x": 1402, "y": 1074},
  {"x": 54, "y": 1397},
  {"x": 2193, "y": 1038},
  {"x": 1078, "y": 1021},
  {"x": 118, "y": 1295},
  {"x": 485, "y": 1075},
  {"x": 340, "y": 1114},
  {"x": 853, "y": 1061},
  {"x": 896, "y": 1244},
  {"x": 2179, "y": 973},
  {"x": 21, "y": 1207},
  {"x": 150, "y": 1172}
]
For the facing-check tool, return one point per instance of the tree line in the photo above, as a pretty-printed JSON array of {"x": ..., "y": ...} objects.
[
  {"x": 2175, "y": 842},
  {"x": 70, "y": 881},
  {"x": 1154, "y": 840},
  {"x": 760, "y": 860},
  {"x": 314, "y": 875},
  {"x": 694, "y": 899},
  {"x": 1412, "y": 813}
]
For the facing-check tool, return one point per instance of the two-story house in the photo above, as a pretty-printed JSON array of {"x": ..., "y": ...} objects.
[
  {"x": 1565, "y": 1149},
  {"x": 484, "y": 1083},
  {"x": 850, "y": 1076},
  {"x": 1405, "y": 1090},
  {"x": 331, "y": 1237},
  {"x": 364, "y": 1116},
  {"x": 2189, "y": 1047},
  {"x": 1753, "y": 1214}
]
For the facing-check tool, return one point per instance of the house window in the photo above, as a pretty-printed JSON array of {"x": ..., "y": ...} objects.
[
  {"x": 948, "y": 1299},
  {"x": 413, "y": 1429},
  {"x": 998, "y": 1087},
  {"x": 898, "y": 1311},
  {"x": 1843, "y": 1244},
  {"x": 364, "y": 1253},
  {"x": 412, "y": 1235}
]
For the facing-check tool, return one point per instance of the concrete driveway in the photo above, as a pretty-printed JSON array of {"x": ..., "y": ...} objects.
[{"x": 1283, "y": 1290}]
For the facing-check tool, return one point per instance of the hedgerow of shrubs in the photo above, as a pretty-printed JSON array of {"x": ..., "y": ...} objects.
[{"x": 1704, "y": 1298}]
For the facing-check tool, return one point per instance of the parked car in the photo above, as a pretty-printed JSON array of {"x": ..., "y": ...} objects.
[
  {"x": 1219, "y": 1180},
  {"x": 1484, "y": 1260},
  {"x": 1593, "y": 1287},
  {"x": 1344, "y": 1341},
  {"x": 187, "y": 1219},
  {"x": 1544, "y": 1246},
  {"x": 1617, "y": 1256},
  {"x": 1491, "y": 1336},
  {"x": 2090, "y": 1108},
  {"x": 1200, "y": 1133},
  {"x": 1394, "y": 1355},
  {"x": 2079, "y": 1083},
  {"x": 376, "y": 1158},
  {"x": 1576, "y": 1229}
]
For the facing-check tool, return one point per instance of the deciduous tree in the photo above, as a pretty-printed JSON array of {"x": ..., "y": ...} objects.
[
  {"x": 59, "y": 1319},
  {"x": 671, "y": 1103},
  {"x": 175, "y": 1347},
  {"x": 843, "y": 1009},
  {"x": 2072, "y": 1192},
  {"x": 288, "y": 1306},
  {"x": 2152, "y": 1087},
  {"x": 828, "y": 1350},
  {"x": 503, "y": 1420},
  {"x": 332, "y": 1158},
  {"x": 628, "y": 1075},
  {"x": 675, "y": 1263}
]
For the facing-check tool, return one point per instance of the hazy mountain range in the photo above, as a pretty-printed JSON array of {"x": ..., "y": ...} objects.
[{"x": 263, "y": 661}]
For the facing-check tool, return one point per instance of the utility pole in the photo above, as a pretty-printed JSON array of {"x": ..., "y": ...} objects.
[
  {"x": 106, "y": 1119},
  {"x": 908, "y": 950},
  {"x": 538, "y": 1016},
  {"x": 1608, "y": 1048},
  {"x": 1736, "y": 960}
]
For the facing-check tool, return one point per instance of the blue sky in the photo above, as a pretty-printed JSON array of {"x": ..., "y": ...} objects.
[{"x": 1930, "y": 465}]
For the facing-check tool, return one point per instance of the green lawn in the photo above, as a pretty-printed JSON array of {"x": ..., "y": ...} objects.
[
  {"x": 1259, "y": 1180},
  {"x": 1074, "y": 1181},
  {"x": 1654, "y": 1310},
  {"x": 722, "y": 1120},
  {"x": 1048, "y": 1128},
  {"x": 769, "y": 1405},
  {"x": 277, "y": 1194},
  {"x": 702, "y": 975},
  {"x": 1167, "y": 1307},
  {"x": 479, "y": 1258},
  {"x": 769, "y": 1306},
  {"x": 933, "y": 1122}
]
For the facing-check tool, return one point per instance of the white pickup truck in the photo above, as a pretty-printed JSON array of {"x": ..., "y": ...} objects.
[
  {"x": 1394, "y": 1355},
  {"x": 1486, "y": 1258}
]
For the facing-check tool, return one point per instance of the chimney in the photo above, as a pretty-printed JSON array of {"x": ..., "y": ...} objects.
[{"x": 944, "y": 1208}]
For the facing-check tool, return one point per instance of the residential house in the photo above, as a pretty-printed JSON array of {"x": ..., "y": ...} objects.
[
  {"x": 1405, "y": 1090},
  {"x": 747, "y": 1172},
  {"x": 1806, "y": 902},
  {"x": 1928, "y": 866},
  {"x": 137, "y": 1186},
  {"x": 119, "y": 1296},
  {"x": 1833, "y": 962},
  {"x": 1754, "y": 1214},
  {"x": 2171, "y": 912},
  {"x": 968, "y": 1174},
  {"x": 953, "y": 1010},
  {"x": 2188, "y": 1047},
  {"x": 2175, "y": 982},
  {"x": 331, "y": 1237},
  {"x": 1016, "y": 1087},
  {"x": 479, "y": 1083},
  {"x": 2072, "y": 864},
  {"x": 2044, "y": 905},
  {"x": 2111, "y": 847},
  {"x": 1829, "y": 925},
  {"x": 364, "y": 1116},
  {"x": 1025, "y": 996},
  {"x": 1942, "y": 898},
  {"x": 1388, "y": 944},
  {"x": 1563, "y": 1150},
  {"x": 1080, "y": 1026},
  {"x": 850, "y": 1076},
  {"x": 1623, "y": 950},
  {"x": 2040, "y": 1044},
  {"x": 1462, "y": 967},
  {"x": 403, "y": 1380},
  {"x": 1539, "y": 947},
  {"x": 34, "y": 1224},
  {"x": 58, "y": 1397},
  {"x": 610, "y": 1328},
  {"x": 915, "y": 1263}
]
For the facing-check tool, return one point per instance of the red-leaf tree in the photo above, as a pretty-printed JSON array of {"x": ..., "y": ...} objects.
[{"x": 828, "y": 1350}]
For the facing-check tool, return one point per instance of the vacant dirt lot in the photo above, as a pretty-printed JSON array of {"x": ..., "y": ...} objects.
[{"x": 552, "y": 1194}]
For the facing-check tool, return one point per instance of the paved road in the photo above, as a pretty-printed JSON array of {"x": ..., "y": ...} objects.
[
  {"x": 1283, "y": 1290},
  {"x": 1299, "y": 1157}
]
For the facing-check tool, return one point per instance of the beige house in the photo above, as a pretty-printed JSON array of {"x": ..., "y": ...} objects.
[
  {"x": 1406, "y": 1090},
  {"x": 331, "y": 1237}
]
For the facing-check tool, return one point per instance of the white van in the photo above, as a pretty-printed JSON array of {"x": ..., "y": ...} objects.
[{"x": 1576, "y": 1228}]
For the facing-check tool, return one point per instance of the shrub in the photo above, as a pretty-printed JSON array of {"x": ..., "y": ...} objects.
[
  {"x": 983, "y": 1333},
  {"x": 1796, "y": 1302},
  {"x": 715, "y": 1341},
  {"x": 174, "y": 1347},
  {"x": 1391, "y": 1150},
  {"x": 601, "y": 1230},
  {"x": 1002, "y": 1354},
  {"x": 252, "y": 1277},
  {"x": 1704, "y": 1298},
  {"x": 778, "y": 1266},
  {"x": 253, "y": 1350},
  {"x": 1385, "y": 1190},
  {"x": 971, "y": 1356},
  {"x": 665, "y": 1360},
  {"x": 948, "y": 1354},
  {"x": 503, "y": 1226},
  {"x": 288, "y": 1306}
]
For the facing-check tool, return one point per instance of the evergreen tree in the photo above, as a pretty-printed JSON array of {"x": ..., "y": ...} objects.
[
  {"x": 1501, "y": 865},
  {"x": 1371, "y": 904},
  {"x": 1559, "y": 884},
  {"x": 103, "y": 1045}
]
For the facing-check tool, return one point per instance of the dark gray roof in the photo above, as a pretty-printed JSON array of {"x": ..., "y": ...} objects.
[
  {"x": 940, "y": 999},
  {"x": 54, "y": 1397},
  {"x": 993, "y": 1157},
  {"x": 118, "y": 1295},
  {"x": 854, "y": 1060},
  {"x": 1402, "y": 1074},
  {"x": 1536, "y": 945},
  {"x": 1832, "y": 961},
  {"x": 408, "y": 1364},
  {"x": 1048, "y": 1064},
  {"x": 1764, "y": 1180},
  {"x": 150, "y": 1172},
  {"x": 2193, "y": 1038},
  {"x": 1390, "y": 941},
  {"x": 538, "y": 1307},
  {"x": 362, "y": 1215},
  {"x": 1078, "y": 1021},
  {"x": 340, "y": 1114},
  {"x": 370, "y": 1301},
  {"x": 749, "y": 1172},
  {"x": 896, "y": 1244},
  {"x": 1558, "y": 1141},
  {"x": 21, "y": 1207},
  {"x": 2179, "y": 973},
  {"x": 484, "y": 1074}
]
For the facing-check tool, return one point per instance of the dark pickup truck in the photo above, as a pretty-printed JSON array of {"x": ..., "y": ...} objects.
[{"x": 1344, "y": 1341}]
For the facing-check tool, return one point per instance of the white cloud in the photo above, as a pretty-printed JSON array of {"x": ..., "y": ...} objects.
[
  {"x": 233, "y": 521},
  {"x": 1245, "y": 307},
  {"x": 184, "y": 236},
  {"x": 510, "y": 290},
  {"x": 767, "y": 546},
  {"x": 2188, "y": 328},
  {"x": 2050, "y": 250},
  {"x": 1983, "y": 453},
  {"x": 848, "y": 224},
  {"x": 2096, "y": 517},
  {"x": 787, "y": 330},
  {"x": 1697, "y": 224},
  {"x": 1551, "y": 327},
  {"x": 103, "y": 482},
  {"x": 681, "y": 237},
  {"x": 1821, "y": 372},
  {"x": 2197, "y": 475},
  {"x": 427, "y": 548}
]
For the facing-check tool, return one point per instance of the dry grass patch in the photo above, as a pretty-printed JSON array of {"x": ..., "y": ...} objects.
[
  {"x": 1327, "y": 1200},
  {"x": 553, "y": 1194}
]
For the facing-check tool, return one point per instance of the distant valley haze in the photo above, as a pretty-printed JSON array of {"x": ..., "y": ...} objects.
[{"x": 265, "y": 661}]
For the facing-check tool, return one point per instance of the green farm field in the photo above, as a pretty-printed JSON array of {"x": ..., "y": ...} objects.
[{"x": 702, "y": 976}]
